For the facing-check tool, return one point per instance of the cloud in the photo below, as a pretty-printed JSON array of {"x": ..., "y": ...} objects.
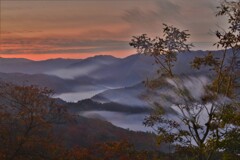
[
  {"x": 140, "y": 17},
  {"x": 166, "y": 9},
  {"x": 196, "y": 16},
  {"x": 162, "y": 11},
  {"x": 98, "y": 30},
  {"x": 195, "y": 86},
  {"x": 60, "y": 45}
]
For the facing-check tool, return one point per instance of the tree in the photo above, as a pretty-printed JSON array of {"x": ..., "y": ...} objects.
[
  {"x": 207, "y": 108},
  {"x": 164, "y": 50},
  {"x": 28, "y": 116}
]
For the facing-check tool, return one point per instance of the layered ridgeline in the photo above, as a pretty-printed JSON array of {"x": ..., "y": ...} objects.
[
  {"x": 112, "y": 86},
  {"x": 95, "y": 76}
]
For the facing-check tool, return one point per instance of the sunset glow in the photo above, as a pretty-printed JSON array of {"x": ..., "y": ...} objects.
[{"x": 78, "y": 29}]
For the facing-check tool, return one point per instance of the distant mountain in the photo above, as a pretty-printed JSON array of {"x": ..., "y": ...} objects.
[
  {"x": 112, "y": 87},
  {"x": 105, "y": 64},
  {"x": 57, "y": 84},
  {"x": 13, "y": 60},
  {"x": 19, "y": 65},
  {"x": 110, "y": 71},
  {"x": 130, "y": 96},
  {"x": 129, "y": 71},
  {"x": 99, "y": 73},
  {"x": 126, "y": 72},
  {"x": 85, "y": 68},
  {"x": 97, "y": 60}
]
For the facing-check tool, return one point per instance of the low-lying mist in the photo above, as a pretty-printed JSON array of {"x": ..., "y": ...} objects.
[{"x": 127, "y": 121}]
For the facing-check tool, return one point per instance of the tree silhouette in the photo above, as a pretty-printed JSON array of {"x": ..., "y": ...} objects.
[
  {"x": 207, "y": 108},
  {"x": 28, "y": 117}
]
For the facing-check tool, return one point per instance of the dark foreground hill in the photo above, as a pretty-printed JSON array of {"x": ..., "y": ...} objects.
[{"x": 85, "y": 132}]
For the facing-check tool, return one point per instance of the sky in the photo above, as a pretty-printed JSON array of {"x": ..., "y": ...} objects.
[{"x": 44, "y": 29}]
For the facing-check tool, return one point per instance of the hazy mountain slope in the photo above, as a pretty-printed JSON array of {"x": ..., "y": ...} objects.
[
  {"x": 85, "y": 78},
  {"x": 130, "y": 96},
  {"x": 104, "y": 66},
  {"x": 52, "y": 82},
  {"x": 127, "y": 71},
  {"x": 136, "y": 68},
  {"x": 88, "y": 131},
  {"x": 86, "y": 67},
  {"x": 18, "y": 65},
  {"x": 100, "y": 60},
  {"x": 13, "y": 60}
]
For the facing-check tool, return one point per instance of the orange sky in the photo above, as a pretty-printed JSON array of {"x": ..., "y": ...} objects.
[{"x": 78, "y": 29}]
